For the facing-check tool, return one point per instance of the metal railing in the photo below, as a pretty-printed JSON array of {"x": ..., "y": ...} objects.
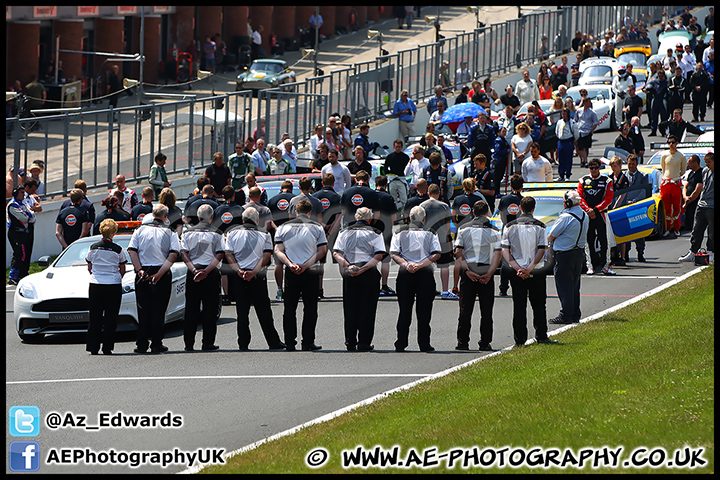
[{"x": 94, "y": 146}]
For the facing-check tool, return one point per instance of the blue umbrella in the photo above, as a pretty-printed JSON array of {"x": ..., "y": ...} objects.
[{"x": 458, "y": 112}]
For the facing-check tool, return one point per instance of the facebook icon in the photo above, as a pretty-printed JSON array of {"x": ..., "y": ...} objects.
[{"x": 24, "y": 456}]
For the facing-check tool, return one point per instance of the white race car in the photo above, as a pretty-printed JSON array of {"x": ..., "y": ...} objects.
[
  {"x": 56, "y": 299},
  {"x": 598, "y": 70},
  {"x": 603, "y": 103}
]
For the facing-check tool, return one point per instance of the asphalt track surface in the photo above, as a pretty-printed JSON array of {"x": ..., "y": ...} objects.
[{"x": 229, "y": 399}]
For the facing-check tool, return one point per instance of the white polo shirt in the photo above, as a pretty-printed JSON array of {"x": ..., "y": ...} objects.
[
  {"x": 479, "y": 240},
  {"x": 202, "y": 242},
  {"x": 301, "y": 238},
  {"x": 359, "y": 243},
  {"x": 106, "y": 257},
  {"x": 247, "y": 244},
  {"x": 414, "y": 244},
  {"x": 154, "y": 242}
]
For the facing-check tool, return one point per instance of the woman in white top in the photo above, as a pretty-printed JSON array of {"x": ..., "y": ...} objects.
[
  {"x": 555, "y": 111},
  {"x": 520, "y": 145},
  {"x": 106, "y": 263}
]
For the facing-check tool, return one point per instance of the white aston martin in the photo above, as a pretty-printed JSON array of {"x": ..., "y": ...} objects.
[{"x": 56, "y": 299}]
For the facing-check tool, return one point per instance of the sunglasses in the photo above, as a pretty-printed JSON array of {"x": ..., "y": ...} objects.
[
  {"x": 594, "y": 168},
  {"x": 672, "y": 143}
]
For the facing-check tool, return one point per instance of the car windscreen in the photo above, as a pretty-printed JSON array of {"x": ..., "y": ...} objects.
[
  {"x": 547, "y": 206},
  {"x": 77, "y": 251},
  {"x": 267, "y": 67},
  {"x": 598, "y": 71},
  {"x": 593, "y": 92},
  {"x": 636, "y": 58}
]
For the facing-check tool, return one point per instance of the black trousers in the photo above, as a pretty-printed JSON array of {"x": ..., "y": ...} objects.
[
  {"x": 690, "y": 215},
  {"x": 253, "y": 294},
  {"x": 201, "y": 306},
  {"x": 567, "y": 272},
  {"x": 104, "y": 302},
  {"x": 704, "y": 220},
  {"x": 597, "y": 242},
  {"x": 412, "y": 287},
  {"x": 306, "y": 284},
  {"x": 152, "y": 302},
  {"x": 21, "y": 244},
  {"x": 699, "y": 101},
  {"x": 485, "y": 293},
  {"x": 535, "y": 288},
  {"x": 360, "y": 300}
]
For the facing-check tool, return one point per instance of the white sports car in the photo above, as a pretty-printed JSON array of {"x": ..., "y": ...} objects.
[
  {"x": 603, "y": 102},
  {"x": 56, "y": 299}
]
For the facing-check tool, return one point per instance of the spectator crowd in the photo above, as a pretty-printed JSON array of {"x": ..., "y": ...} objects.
[{"x": 229, "y": 230}]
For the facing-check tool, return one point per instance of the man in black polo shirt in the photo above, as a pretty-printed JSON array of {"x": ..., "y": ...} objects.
[
  {"x": 305, "y": 185},
  {"x": 218, "y": 173},
  {"x": 509, "y": 208},
  {"x": 280, "y": 207},
  {"x": 395, "y": 164},
  {"x": 190, "y": 214},
  {"x": 692, "y": 189},
  {"x": 331, "y": 217},
  {"x": 437, "y": 219},
  {"x": 143, "y": 208},
  {"x": 299, "y": 245},
  {"x": 71, "y": 222},
  {"x": 85, "y": 205},
  {"x": 388, "y": 215},
  {"x": 227, "y": 215},
  {"x": 633, "y": 105},
  {"x": 359, "y": 195},
  {"x": 439, "y": 175},
  {"x": 420, "y": 196},
  {"x": 483, "y": 179}
]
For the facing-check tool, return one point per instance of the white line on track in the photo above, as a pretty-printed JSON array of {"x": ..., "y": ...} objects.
[
  {"x": 219, "y": 377},
  {"x": 375, "y": 398}
]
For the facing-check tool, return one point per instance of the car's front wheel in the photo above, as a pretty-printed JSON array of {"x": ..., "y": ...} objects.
[{"x": 659, "y": 230}]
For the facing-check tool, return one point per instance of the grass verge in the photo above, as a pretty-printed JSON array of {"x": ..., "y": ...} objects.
[{"x": 642, "y": 376}]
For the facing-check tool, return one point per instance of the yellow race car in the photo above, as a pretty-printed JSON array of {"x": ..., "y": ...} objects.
[{"x": 630, "y": 220}]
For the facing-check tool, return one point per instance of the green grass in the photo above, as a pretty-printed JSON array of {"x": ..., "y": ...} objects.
[{"x": 640, "y": 377}]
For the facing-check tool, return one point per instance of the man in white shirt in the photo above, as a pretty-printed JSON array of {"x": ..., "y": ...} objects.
[
  {"x": 536, "y": 169},
  {"x": 289, "y": 154},
  {"x": 339, "y": 171},
  {"x": 462, "y": 75},
  {"x": 526, "y": 89},
  {"x": 417, "y": 164},
  {"x": 257, "y": 49}
]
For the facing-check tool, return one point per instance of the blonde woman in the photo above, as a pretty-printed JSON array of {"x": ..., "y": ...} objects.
[
  {"x": 106, "y": 262},
  {"x": 520, "y": 145}
]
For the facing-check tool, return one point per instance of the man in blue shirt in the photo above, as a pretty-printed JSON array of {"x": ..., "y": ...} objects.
[
  {"x": 432, "y": 104},
  {"x": 405, "y": 110},
  {"x": 567, "y": 238}
]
